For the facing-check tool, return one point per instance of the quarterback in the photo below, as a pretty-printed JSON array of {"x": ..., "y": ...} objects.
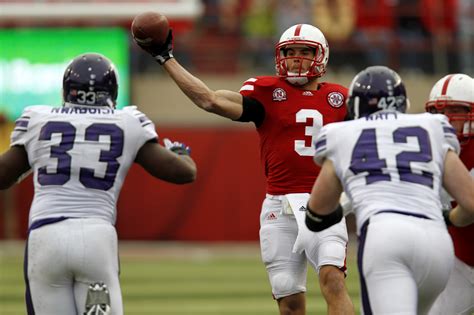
[{"x": 288, "y": 110}]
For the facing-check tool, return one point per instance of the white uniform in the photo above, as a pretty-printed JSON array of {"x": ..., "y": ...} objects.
[
  {"x": 391, "y": 167},
  {"x": 80, "y": 157}
]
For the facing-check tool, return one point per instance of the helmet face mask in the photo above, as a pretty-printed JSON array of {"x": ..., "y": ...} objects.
[
  {"x": 90, "y": 80},
  {"x": 303, "y": 36},
  {"x": 376, "y": 88},
  {"x": 453, "y": 96}
]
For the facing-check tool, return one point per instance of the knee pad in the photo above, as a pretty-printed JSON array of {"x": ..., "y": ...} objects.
[{"x": 284, "y": 284}]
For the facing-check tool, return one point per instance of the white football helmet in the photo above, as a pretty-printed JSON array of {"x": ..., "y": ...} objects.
[
  {"x": 454, "y": 90},
  {"x": 303, "y": 35}
]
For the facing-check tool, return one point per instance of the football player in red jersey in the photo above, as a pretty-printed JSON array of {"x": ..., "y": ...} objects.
[
  {"x": 453, "y": 95},
  {"x": 288, "y": 110}
]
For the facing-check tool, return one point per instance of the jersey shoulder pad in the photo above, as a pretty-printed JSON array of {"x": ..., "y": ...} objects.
[
  {"x": 252, "y": 84},
  {"x": 322, "y": 143},
  {"x": 26, "y": 121},
  {"x": 28, "y": 115},
  {"x": 147, "y": 125},
  {"x": 141, "y": 117},
  {"x": 450, "y": 137},
  {"x": 333, "y": 87}
]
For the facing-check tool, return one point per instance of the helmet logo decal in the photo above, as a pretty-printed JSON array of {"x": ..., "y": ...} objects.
[
  {"x": 335, "y": 99},
  {"x": 298, "y": 30},
  {"x": 279, "y": 95},
  {"x": 445, "y": 84}
]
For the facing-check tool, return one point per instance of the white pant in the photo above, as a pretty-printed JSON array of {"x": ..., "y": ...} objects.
[
  {"x": 286, "y": 269},
  {"x": 404, "y": 264},
  {"x": 63, "y": 258},
  {"x": 458, "y": 296}
]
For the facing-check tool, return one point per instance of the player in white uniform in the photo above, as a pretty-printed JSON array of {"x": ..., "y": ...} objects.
[
  {"x": 392, "y": 166},
  {"x": 80, "y": 154}
]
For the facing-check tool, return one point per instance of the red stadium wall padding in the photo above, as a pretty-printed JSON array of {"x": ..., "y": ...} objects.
[{"x": 223, "y": 204}]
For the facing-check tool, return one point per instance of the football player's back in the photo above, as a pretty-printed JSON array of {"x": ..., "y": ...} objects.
[
  {"x": 81, "y": 157},
  {"x": 395, "y": 161},
  {"x": 80, "y": 154}
]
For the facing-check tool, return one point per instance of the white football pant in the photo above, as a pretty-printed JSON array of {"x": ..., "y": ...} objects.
[
  {"x": 64, "y": 258},
  {"x": 404, "y": 264}
]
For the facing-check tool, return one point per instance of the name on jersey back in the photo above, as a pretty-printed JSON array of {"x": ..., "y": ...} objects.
[
  {"x": 82, "y": 110},
  {"x": 382, "y": 116}
]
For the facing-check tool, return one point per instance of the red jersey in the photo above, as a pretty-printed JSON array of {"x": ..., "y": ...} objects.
[
  {"x": 293, "y": 118},
  {"x": 463, "y": 238}
]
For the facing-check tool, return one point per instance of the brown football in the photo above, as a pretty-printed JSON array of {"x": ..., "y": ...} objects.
[{"x": 150, "y": 29}]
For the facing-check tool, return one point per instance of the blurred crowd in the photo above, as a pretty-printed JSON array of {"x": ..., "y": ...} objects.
[
  {"x": 429, "y": 36},
  {"x": 425, "y": 36}
]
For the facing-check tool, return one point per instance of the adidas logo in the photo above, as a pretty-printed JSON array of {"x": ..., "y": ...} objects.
[
  {"x": 307, "y": 93},
  {"x": 302, "y": 208},
  {"x": 271, "y": 216}
]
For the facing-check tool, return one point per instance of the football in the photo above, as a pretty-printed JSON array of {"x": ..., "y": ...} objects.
[{"x": 150, "y": 29}]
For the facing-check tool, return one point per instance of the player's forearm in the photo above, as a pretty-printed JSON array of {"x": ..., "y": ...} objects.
[
  {"x": 181, "y": 171},
  {"x": 196, "y": 90},
  {"x": 461, "y": 217},
  {"x": 223, "y": 102}
]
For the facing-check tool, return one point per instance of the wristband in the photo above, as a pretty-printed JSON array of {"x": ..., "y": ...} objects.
[{"x": 317, "y": 223}]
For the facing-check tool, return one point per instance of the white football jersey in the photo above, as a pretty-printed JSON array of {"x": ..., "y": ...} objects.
[
  {"x": 390, "y": 161},
  {"x": 80, "y": 157}
]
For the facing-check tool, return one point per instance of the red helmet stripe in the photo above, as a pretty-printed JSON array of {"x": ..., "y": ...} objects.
[
  {"x": 445, "y": 84},
  {"x": 298, "y": 29}
]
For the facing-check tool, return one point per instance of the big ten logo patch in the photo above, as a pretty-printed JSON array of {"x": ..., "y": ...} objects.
[
  {"x": 279, "y": 95},
  {"x": 335, "y": 99}
]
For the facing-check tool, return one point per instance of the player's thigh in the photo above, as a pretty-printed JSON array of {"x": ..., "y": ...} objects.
[
  {"x": 100, "y": 263},
  {"x": 387, "y": 284},
  {"x": 49, "y": 279},
  {"x": 458, "y": 295},
  {"x": 286, "y": 270},
  {"x": 329, "y": 248},
  {"x": 433, "y": 263},
  {"x": 399, "y": 270}
]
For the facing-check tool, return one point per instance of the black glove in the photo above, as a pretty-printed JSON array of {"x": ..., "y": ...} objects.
[
  {"x": 446, "y": 217},
  {"x": 161, "y": 53}
]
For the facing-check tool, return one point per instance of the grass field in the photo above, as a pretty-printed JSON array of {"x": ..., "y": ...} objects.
[{"x": 181, "y": 278}]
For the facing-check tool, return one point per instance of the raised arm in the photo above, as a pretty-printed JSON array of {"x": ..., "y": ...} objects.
[
  {"x": 171, "y": 165},
  {"x": 223, "y": 102}
]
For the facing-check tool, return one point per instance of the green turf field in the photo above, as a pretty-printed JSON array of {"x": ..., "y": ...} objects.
[{"x": 179, "y": 279}]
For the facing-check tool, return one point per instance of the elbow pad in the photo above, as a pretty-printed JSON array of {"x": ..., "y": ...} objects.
[{"x": 317, "y": 223}]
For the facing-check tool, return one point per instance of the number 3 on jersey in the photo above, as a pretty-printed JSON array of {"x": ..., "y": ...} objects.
[
  {"x": 60, "y": 152},
  {"x": 302, "y": 116}
]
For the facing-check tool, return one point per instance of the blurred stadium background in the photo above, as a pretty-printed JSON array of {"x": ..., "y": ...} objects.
[{"x": 193, "y": 249}]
